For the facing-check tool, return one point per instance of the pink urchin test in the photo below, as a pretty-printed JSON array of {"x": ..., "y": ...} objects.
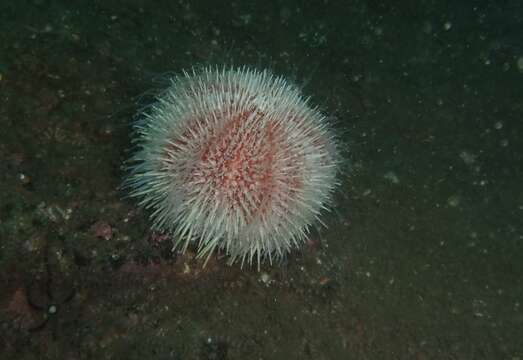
[{"x": 234, "y": 159}]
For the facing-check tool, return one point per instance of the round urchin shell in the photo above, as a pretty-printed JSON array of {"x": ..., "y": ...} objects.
[{"x": 233, "y": 159}]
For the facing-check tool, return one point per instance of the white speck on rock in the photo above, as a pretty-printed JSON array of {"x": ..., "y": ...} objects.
[
  {"x": 519, "y": 63},
  {"x": 392, "y": 177},
  {"x": 453, "y": 201},
  {"x": 468, "y": 157},
  {"x": 265, "y": 278}
]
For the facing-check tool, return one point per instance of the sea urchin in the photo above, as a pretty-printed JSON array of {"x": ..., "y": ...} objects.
[{"x": 233, "y": 159}]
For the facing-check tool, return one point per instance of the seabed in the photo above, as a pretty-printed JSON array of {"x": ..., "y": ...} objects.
[{"x": 422, "y": 255}]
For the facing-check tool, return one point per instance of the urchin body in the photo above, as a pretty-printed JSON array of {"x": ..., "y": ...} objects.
[{"x": 234, "y": 159}]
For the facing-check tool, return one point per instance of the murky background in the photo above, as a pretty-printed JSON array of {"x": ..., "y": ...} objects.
[{"x": 422, "y": 258}]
